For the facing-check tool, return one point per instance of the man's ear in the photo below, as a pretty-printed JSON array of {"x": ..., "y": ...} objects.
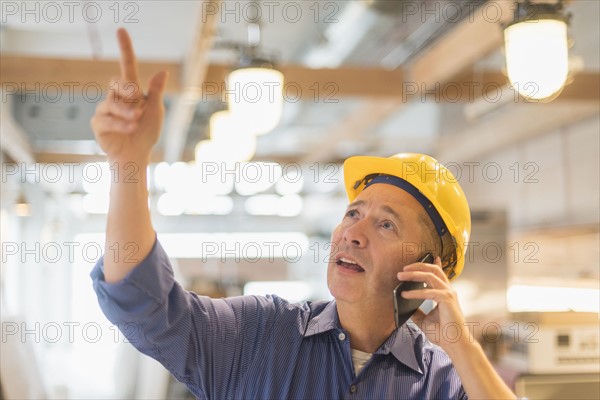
[{"x": 448, "y": 256}]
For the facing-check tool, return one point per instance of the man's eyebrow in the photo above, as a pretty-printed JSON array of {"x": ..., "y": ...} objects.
[
  {"x": 393, "y": 212},
  {"x": 387, "y": 209},
  {"x": 357, "y": 203}
]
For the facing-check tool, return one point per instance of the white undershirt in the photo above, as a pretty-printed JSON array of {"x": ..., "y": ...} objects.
[{"x": 359, "y": 359}]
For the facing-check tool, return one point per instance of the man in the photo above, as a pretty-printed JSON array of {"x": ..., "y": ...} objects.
[{"x": 263, "y": 347}]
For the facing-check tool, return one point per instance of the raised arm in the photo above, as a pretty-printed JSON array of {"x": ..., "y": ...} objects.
[{"x": 126, "y": 125}]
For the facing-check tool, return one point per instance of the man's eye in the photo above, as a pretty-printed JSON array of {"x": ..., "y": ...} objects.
[
  {"x": 387, "y": 225},
  {"x": 351, "y": 213}
]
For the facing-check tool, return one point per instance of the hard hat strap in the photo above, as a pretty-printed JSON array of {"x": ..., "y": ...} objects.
[{"x": 436, "y": 218}]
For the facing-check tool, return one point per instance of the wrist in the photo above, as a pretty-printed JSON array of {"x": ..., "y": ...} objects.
[
  {"x": 465, "y": 345},
  {"x": 131, "y": 171},
  {"x": 122, "y": 160}
]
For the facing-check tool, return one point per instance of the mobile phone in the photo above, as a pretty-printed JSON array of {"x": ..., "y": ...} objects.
[{"x": 405, "y": 308}]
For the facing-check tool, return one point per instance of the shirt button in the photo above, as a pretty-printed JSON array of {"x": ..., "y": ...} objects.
[
  {"x": 342, "y": 336},
  {"x": 353, "y": 389}
]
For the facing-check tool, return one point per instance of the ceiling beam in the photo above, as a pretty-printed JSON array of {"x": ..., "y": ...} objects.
[
  {"x": 301, "y": 82},
  {"x": 469, "y": 88},
  {"x": 322, "y": 85},
  {"x": 40, "y": 73}
]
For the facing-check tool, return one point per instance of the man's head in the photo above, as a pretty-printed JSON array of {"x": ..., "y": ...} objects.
[{"x": 401, "y": 208}]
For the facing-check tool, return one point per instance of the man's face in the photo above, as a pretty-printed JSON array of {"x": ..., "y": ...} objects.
[{"x": 379, "y": 234}]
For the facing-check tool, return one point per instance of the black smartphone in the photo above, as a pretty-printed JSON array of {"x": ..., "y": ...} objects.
[{"x": 405, "y": 308}]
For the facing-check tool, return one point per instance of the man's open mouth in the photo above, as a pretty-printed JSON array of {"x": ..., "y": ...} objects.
[{"x": 349, "y": 264}]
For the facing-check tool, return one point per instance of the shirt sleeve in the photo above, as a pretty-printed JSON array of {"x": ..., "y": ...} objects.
[{"x": 208, "y": 344}]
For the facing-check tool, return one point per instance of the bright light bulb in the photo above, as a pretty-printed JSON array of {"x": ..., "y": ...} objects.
[
  {"x": 537, "y": 57},
  {"x": 179, "y": 178},
  {"x": 206, "y": 151},
  {"x": 223, "y": 125},
  {"x": 256, "y": 177},
  {"x": 255, "y": 98},
  {"x": 170, "y": 204},
  {"x": 230, "y": 141}
]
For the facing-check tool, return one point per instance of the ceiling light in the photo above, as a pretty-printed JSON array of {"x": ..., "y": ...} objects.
[
  {"x": 521, "y": 298},
  {"x": 256, "y": 177},
  {"x": 209, "y": 205},
  {"x": 255, "y": 94},
  {"x": 236, "y": 245},
  {"x": 536, "y": 46},
  {"x": 96, "y": 177},
  {"x": 290, "y": 205},
  {"x": 233, "y": 150},
  {"x": 95, "y": 203},
  {"x": 161, "y": 175},
  {"x": 22, "y": 207},
  {"x": 210, "y": 179},
  {"x": 230, "y": 140},
  {"x": 178, "y": 178},
  {"x": 222, "y": 126},
  {"x": 290, "y": 184},
  {"x": 170, "y": 204}
]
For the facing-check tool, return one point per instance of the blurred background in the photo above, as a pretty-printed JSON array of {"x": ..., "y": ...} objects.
[{"x": 264, "y": 102}]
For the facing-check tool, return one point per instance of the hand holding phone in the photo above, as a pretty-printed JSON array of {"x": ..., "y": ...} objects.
[{"x": 405, "y": 308}]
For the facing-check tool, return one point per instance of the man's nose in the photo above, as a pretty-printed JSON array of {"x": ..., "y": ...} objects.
[{"x": 355, "y": 234}]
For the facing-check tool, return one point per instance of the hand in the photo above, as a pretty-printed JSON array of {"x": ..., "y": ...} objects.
[
  {"x": 126, "y": 123},
  {"x": 436, "y": 324}
]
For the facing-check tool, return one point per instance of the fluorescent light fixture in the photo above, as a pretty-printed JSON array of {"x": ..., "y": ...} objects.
[
  {"x": 262, "y": 204},
  {"x": 256, "y": 177},
  {"x": 272, "y": 204},
  {"x": 223, "y": 126},
  {"x": 96, "y": 177},
  {"x": 171, "y": 204},
  {"x": 95, "y": 203},
  {"x": 546, "y": 298},
  {"x": 161, "y": 175},
  {"x": 209, "y": 205},
  {"x": 238, "y": 246},
  {"x": 178, "y": 178},
  {"x": 293, "y": 291},
  {"x": 290, "y": 184},
  {"x": 238, "y": 149},
  {"x": 537, "y": 51},
  {"x": 290, "y": 206},
  {"x": 211, "y": 178}
]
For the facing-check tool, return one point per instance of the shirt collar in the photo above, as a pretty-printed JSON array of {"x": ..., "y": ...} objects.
[
  {"x": 325, "y": 321},
  {"x": 406, "y": 343}
]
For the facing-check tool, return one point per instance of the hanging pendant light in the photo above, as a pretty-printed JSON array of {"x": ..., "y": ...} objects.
[
  {"x": 22, "y": 206},
  {"x": 255, "y": 88},
  {"x": 536, "y": 46},
  {"x": 255, "y": 96},
  {"x": 230, "y": 141}
]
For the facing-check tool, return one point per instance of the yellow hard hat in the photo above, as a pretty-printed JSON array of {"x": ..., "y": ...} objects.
[{"x": 431, "y": 183}]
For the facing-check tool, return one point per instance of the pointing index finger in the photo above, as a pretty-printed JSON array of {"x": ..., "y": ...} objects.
[{"x": 129, "y": 67}]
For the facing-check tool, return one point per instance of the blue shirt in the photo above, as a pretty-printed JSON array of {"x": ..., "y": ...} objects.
[{"x": 254, "y": 347}]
